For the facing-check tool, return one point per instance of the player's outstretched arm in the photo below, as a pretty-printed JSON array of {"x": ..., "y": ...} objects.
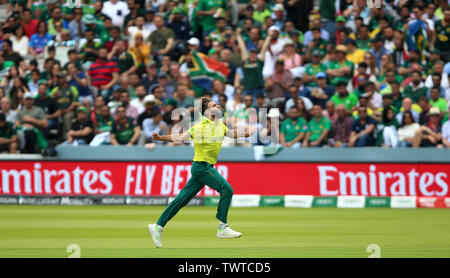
[
  {"x": 235, "y": 133},
  {"x": 177, "y": 137}
]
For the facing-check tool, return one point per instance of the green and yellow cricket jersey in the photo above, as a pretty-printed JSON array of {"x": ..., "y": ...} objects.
[{"x": 207, "y": 137}]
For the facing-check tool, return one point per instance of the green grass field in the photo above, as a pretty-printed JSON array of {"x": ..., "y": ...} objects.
[{"x": 121, "y": 231}]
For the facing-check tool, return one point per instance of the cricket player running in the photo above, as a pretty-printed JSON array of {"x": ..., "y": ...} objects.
[{"x": 207, "y": 136}]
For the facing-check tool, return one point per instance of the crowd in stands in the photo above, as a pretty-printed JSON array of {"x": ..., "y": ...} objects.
[{"x": 340, "y": 73}]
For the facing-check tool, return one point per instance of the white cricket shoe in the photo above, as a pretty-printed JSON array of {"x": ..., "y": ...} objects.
[
  {"x": 227, "y": 232},
  {"x": 156, "y": 234}
]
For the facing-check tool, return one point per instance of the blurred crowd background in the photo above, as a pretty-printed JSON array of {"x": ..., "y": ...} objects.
[{"x": 329, "y": 73}]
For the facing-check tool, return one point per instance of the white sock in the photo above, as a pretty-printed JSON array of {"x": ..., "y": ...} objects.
[
  {"x": 222, "y": 225},
  {"x": 159, "y": 227}
]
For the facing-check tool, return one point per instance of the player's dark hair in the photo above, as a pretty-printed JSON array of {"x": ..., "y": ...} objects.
[{"x": 205, "y": 102}]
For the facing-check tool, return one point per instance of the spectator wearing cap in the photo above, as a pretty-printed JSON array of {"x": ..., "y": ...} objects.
[
  {"x": 278, "y": 15},
  {"x": 354, "y": 54},
  {"x": 66, "y": 96},
  {"x": 193, "y": 44},
  {"x": 378, "y": 49},
  {"x": 50, "y": 107},
  {"x": 340, "y": 22},
  {"x": 342, "y": 96},
  {"x": 162, "y": 39},
  {"x": 103, "y": 73},
  {"x": 30, "y": 121},
  {"x": 363, "y": 130},
  {"x": 341, "y": 69},
  {"x": 8, "y": 136},
  {"x": 323, "y": 92},
  {"x": 324, "y": 34},
  {"x": 292, "y": 60},
  {"x": 318, "y": 129},
  {"x": 82, "y": 130},
  {"x": 312, "y": 69},
  {"x": 207, "y": 11},
  {"x": 278, "y": 83},
  {"x": 430, "y": 134},
  {"x": 125, "y": 131},
  {"x": 150, "y": 105},
  {"x": 154, "y": 124},
  {"x": 275, "y": 49},
  {"x": 317, "y": 43},
  {"x": 116, "y": 10},
  {"x": 341, "y": 128},
  {"x": 251, "y": 71}
]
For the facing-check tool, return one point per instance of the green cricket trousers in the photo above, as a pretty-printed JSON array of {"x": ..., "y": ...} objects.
[{"x": 203, "y": 174}]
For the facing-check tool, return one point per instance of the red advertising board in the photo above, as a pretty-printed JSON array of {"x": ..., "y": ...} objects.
[{"x": 168, "y": 178}]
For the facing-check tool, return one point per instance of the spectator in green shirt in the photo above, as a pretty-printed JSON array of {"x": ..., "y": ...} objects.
[
  {"x": 125, "y": 131},
  {"x": 261, "y": 11},
  {"x": 342, "y": 96},
  {"x": 341, "y": 69},
  {"x": 318, "y": 129},
  {"x": 293, "y": 129},
  {"x": 437, "y": 101},
  {"x": 8, "y": 137},
  {"x": 206, "y": 9},
  {"x": 416, "y": 88},
  {"x": 309, "y": 77}
]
